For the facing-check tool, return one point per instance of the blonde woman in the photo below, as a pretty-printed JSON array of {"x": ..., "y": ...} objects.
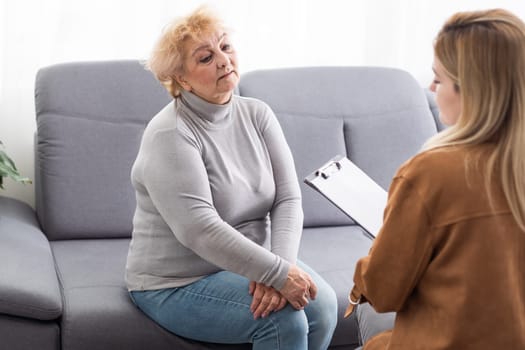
[
  {"x": 216, "y": 230},
  {"x": 450, "y": 257}
]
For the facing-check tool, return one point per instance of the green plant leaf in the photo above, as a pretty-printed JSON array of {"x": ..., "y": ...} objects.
[
  {"x": 6, "y": 161},
  {"x": 8, "y": 169}
]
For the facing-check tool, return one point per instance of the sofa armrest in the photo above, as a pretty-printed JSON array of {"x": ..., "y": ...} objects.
[{"x": 28, "y": 281}]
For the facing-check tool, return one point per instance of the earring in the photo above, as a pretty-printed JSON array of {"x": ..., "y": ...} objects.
[{"x": 185, "y": 84}]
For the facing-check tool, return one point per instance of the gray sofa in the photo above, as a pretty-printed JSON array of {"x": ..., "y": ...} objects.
[{"x": 62, "y": 264}]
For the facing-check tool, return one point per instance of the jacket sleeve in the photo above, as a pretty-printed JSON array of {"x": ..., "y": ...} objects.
[{"x": 399, "y": 255}]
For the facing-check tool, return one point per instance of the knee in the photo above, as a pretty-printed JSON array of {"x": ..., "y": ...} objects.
[
  {"x": 286, "y": 329},
  {"x": 289, "y": 322},
  {"x": 324, "y": 309},
  {"x": 293, "y": 322}
]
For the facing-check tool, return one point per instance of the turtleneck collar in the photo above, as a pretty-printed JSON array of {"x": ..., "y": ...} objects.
[{"x": 209, "y": 112}]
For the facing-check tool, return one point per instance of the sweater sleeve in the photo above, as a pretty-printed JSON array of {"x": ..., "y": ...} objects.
[
  {"x": 177, "y": 182},
  {"x": 286, "y": 214},
  {"x": 399, "y": 255}
]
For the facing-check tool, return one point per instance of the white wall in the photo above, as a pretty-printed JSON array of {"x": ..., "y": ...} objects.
[{"x": 268, "y": 34}]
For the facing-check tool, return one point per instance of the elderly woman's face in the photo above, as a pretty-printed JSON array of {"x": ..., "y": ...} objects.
[{"x": 210, "y": 68}]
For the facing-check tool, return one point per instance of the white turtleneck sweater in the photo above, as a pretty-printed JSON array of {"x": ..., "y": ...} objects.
[{"x": 216, "y": 189}]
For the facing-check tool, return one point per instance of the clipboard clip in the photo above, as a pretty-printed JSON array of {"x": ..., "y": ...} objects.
[{"x": 326, "y": 171}]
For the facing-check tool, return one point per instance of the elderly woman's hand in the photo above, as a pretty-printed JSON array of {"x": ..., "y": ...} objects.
[
  {"x": 299, "y": 288},
  {"x": 265, "y": 300}
]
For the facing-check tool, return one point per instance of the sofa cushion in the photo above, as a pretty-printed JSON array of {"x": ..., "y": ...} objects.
[
  {"x": 98, "y": 312},
  {"x": 90, "y": 119},
  {"x": 380, "y": 142},
  {"x": 97, "y": 306},
  {"x": 28, "y": 281},
  {"x": 333, "y": 253},
  {"x": 325, "y": 138},
  {"x": 86, "y": 191},
  {"x": 385, "y": 113},
  {"x": 17, "y": 333}
]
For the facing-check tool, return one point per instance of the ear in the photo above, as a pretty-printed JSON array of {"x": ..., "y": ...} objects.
[{"x": 182, "y": 82}]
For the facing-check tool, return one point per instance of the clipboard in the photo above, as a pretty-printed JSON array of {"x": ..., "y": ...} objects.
[{"x": 351, "y": 190}]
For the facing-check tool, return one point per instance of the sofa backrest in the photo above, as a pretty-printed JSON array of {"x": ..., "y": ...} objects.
[
  {"x": 90, "y": 119},
  {"x": 91, "y": 116},
  {"x": 377, "y": 117}
]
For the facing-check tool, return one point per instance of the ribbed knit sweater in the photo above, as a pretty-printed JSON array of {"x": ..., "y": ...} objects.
[{"x": 216, "y": 189}]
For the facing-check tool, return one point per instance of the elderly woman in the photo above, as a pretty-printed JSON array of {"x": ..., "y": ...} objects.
[{"x": 218, "y": 220}]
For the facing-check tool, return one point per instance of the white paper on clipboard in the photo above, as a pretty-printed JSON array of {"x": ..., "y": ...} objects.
[{"x": 352, "y": 191}]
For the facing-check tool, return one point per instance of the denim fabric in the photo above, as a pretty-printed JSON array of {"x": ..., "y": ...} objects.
[
  {"x": 371, "y": 322},
  {"x": 217, "y": 309}
]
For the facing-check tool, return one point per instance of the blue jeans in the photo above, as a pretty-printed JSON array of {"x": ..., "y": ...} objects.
[
  {"x": 371, "y": 322},
  {"x": 217, "y": 309}
]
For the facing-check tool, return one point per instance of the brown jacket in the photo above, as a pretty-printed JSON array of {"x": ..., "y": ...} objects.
[{"x": 451, "y": 265}]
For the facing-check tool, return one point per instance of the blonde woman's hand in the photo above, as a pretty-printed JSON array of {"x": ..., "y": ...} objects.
[
  {"x": 265, "y": 300},
  {"x": 299, "y": 288}
]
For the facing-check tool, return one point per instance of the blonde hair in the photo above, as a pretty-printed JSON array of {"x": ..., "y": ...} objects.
[
  {"x": 483, "y": 52},
  {"x": 169, "y": 53}
]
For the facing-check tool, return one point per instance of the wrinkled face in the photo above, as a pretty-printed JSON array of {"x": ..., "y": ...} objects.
[
  {"x": 210, "y": 68},
  {"x": 447, "y": 95}
]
